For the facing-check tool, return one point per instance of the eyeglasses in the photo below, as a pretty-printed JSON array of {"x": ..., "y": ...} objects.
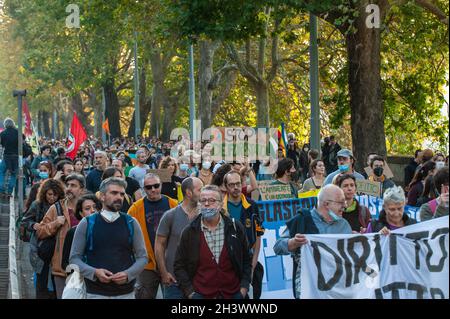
[
  {"x": 342, "y": 203},
  {"x": 233, "y": 185},
  {"x": 154, "y": 186},
  {"x": 209, "y": 200}
]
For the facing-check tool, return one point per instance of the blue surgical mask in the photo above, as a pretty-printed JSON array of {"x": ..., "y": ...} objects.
[
  {"x": 333, "y": 215},
  {"x": 209, "y": 213},
  {"x": 184, "y": 167},
  {"x": 43, "y": 175},
  {"x": 344, "y": 168}
]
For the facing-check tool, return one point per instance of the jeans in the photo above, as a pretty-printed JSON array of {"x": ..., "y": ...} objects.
[
  {"x": 147, "y": 284},
  {"x": 9, "y": 163},
  {"x": 172, "y": 291},
  {"x": 237, "y": 295}
]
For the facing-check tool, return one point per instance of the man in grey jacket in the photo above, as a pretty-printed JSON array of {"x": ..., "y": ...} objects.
[{"x": 108, "y": 247}]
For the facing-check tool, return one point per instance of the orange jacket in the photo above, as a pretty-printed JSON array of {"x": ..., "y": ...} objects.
[{"x": 137, "y": 211}]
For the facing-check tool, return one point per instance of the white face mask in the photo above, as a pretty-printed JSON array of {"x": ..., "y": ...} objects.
[
  {"x": 206, "y": 165},
  {"x": 110, "y": 216},
  {"x": 440, "y": 164}
]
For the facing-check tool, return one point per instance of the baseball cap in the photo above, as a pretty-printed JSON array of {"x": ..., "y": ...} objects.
[{"x": 345, "y": 153}]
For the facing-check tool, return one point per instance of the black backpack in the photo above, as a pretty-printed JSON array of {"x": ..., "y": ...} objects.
[{"x": 46, "y": 247}]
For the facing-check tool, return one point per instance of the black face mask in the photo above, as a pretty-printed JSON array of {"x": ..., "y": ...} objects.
[{"x": 378, "y": 171}]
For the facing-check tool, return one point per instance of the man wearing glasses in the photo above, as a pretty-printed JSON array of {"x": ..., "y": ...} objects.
[
  {"x": 241, "y": 208},
  {"x": 148, "y": 211},
  {"x": 212, "y": 260},
  {"x": 325, "y": 219}
]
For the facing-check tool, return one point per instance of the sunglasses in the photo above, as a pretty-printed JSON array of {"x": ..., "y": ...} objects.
[{"x": 154, "y": 186}]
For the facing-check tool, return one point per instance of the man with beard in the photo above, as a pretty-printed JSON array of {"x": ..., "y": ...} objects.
[
  {"x": 108, "y": 247},
  {"x": 94, "y": 177},
  {"x": 213, "y": 260},
  {"x": 58, "y": 220},
  {"x": 242, "y": 208},
  {"x": 169, "y": 232}
]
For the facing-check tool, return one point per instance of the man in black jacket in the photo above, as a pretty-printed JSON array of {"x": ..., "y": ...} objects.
[
  {"x": 241, "y": 208},
  {"x": 9, "y": 140},
  {"x": 212, "y": 259}
]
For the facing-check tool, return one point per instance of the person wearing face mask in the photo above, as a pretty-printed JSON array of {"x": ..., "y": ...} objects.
[
  {"x": 346, "y": 163},
  {"x": 439, "y": 206},
  {"x": 205, "y": 173},
  {"x": 213, "y": 244},
  {"x": 108, "y": 247},
  {"x": 57, "y": 222},
  {"x": 182, "y": 171},
  {"x": 377, "y": 165},
  {"x": 285, "y": 172},
  {"x": 325, "y": 219},
  {"x": 303, "y": 163},
  {"x": 148, "y": 211}
]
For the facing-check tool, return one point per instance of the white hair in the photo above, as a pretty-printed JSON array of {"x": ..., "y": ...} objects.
[
  {"x": 394, "y": 195},
  {"x": 324, "y": 193},
  {"x": 103, "y": 153},
  {"x": 9, "y": 123}
]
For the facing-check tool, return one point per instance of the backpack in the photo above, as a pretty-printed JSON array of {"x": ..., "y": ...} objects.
[
  {"x": 91, "y": 219},
  {"x": 46, "y": 247}
]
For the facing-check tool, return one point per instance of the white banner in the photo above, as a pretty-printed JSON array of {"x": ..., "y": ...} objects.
[{"x": 410, "y": 263}]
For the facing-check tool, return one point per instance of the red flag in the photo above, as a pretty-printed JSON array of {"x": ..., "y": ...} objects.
[
  {"x": 77, "y": 135},
  {"x": 28, "y": 130}
]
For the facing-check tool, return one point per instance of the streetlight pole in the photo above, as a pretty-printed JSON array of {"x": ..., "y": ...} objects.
[
  {"x": 314, "y": 84},
  {"x": 19, "y": 94},
  {"x": 191, "y": 92},
  {"x": 137, "y": 111}
]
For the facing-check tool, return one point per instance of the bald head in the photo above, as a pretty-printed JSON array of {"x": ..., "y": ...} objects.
[{"x": 331, "y": 199}]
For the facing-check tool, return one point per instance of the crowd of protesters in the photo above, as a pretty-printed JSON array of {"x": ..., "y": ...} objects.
[{"x": 195, "y": 233}]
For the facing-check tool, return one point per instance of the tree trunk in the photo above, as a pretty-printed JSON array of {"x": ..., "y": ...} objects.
[
  {"x": 96, "y": 106},
  {"x": 112, "y": 108},
  {"x": 46, "y": 123},
  {"x": 262, "y": 103},
  {"x": 205, "y": 74},
  {"x": 367, "y": 113},
  {"x": 158, "y": 92}
]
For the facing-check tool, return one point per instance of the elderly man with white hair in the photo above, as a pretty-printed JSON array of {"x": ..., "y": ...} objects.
[
  {"x": 94, "y": 178},
  {"x": 325, "y": 219},
  {"x": 393, "y": 214}
]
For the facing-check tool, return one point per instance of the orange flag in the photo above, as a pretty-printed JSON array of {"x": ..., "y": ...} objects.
[{"x": 105, "y": 127}]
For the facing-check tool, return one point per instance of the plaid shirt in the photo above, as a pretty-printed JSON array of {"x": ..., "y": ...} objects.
[{"x": 215, "y": 239}]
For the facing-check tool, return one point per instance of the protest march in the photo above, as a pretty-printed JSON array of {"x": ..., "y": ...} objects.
[{"x": 224, "y": 150}]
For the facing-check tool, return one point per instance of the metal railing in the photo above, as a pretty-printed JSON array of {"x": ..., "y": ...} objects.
[{"x": 14, "y": 292}]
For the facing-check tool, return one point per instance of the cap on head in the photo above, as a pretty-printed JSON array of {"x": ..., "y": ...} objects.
[{"x": 345, "y": 153}]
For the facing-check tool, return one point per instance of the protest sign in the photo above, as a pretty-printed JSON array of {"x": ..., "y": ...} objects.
[
  {"x": 164, "y": 174},
  {"x": 368, "y": 187},
  {"x": 410, "y": 263},
  {"x": 275, "y": 192}
]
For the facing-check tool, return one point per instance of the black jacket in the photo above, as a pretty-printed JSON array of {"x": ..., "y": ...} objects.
[
  {"x": 381, "y": 222},
  {"x": 188, "y": 253}
]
